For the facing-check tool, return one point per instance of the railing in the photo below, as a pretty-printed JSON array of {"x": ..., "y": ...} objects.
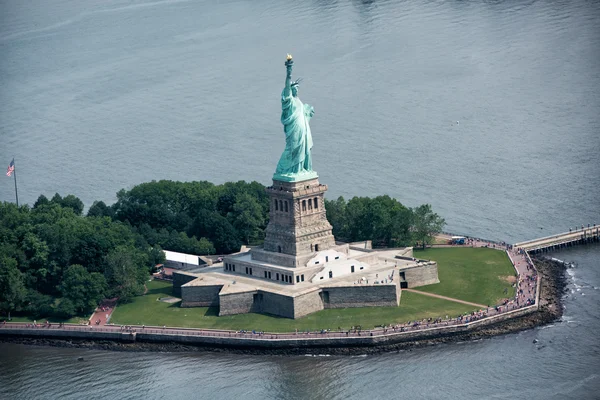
[{"x": 576, "y": 233}]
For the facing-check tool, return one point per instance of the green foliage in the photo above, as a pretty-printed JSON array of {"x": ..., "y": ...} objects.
[
  {"x": 84, "y": 289},
  {"x": 426, "y": 224},
  {"x": 38, "y": 305},
  {"x": 65, "y": 309},
  {"x": 42, "y": 242},
  {"x": 74, "y": 203},
  {"x": 12, "y": 289},
  {"x": 215, "y": 218},
  {"x": 224, "y": 236},
  {"x": 99, "y": 209},
  {"x": 382, "y": 219},
  {"x": 156, "y": 256},
  {"x": 175, "y": 241},
  {"x": 41, "y": 201},
  {"x": 247, "y": 216},
  {"x": 70, "y": 201},
  {"x": 126, "y": 271}
]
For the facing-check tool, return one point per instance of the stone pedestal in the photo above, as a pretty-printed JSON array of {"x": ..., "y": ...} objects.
[{"x": 298, "y": 227}]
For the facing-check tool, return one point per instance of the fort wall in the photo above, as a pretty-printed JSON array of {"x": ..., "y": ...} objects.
[
  {"x": 307, "y": 303},
  {"x": 237, "y": 303},
  {"x": 180, "y": 278},
  {"x": 200, "y": 296},
  {"x": 424, "y": 274},
  {"x": 385, "y": 295}
]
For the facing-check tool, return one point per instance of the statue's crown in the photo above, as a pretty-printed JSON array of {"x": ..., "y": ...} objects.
[{"x": 296, "y": 82}]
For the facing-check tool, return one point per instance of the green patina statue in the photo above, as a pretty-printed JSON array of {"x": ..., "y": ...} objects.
[{"x": 295, "y": 163}]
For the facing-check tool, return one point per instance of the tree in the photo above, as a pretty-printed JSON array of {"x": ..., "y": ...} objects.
[
  {"x": 12, "y": 289},
  {"x": 382, "y": 219},
  {"x": 336, "y": 215},
  {"x": 73, "y": 203},
  {"x": 154, "y": 203},
  {"x": 426, "y": 224},
  {"x": 65, "y": 309},
  {"x": 69, "y": 201},
  {"x": 156, "y": 255},
  {"x": 36, "y": 252},
  {"x": 100, "y": 209},
  {"x": 218, "y": 230},
  {"x": 126, "y": 270},
  {"x": 84, "y": 289},
  {"x": 38, "y": 305},
  {"x": 248, "y": 216},
  {"x": 199, "y": 209},
  {"x": 42, "y": 200}
]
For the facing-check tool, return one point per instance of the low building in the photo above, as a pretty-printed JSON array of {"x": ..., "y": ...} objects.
[{"x": 185, "y": 262}]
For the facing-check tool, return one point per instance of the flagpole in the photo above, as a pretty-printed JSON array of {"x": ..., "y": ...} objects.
[{"x": 15, "y": 174}]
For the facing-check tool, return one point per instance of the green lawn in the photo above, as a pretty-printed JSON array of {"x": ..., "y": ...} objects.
[
  {"x": 147, "y": 310},
  {"x": 74, "y": 320},
  {"x": 477, "y": 275}
]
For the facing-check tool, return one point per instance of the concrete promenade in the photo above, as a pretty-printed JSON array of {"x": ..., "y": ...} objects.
[{"x": 525, "y": 301}]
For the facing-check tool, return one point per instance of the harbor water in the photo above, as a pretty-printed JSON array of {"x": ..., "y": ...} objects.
[{"x": 489, "y": 111}]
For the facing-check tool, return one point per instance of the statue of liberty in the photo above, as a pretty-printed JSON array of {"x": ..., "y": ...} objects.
[{"x": 295, "y": 163}]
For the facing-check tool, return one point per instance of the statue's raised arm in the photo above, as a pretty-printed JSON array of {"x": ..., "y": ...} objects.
[
  {"x": 287, "y": 91},
  {"x": 295, "y": 163}
]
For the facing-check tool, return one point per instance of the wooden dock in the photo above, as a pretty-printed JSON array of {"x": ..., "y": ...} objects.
[{"x": 579, "y": 236}]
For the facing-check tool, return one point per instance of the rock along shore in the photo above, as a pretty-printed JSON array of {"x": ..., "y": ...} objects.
[{"x": 553, "y": 286}]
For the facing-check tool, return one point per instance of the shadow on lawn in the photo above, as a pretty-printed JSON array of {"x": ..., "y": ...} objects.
[
  {"x": 164, "y": 290},
  {"x": 214, "y": 312}
]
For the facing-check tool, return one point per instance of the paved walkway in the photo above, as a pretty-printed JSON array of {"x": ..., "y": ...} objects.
[
  {"x": 103, "y": 312},
  {"x": 445, "y": 298}
]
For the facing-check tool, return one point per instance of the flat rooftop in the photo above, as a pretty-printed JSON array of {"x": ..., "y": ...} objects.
[{"x": 235, "y": 283}]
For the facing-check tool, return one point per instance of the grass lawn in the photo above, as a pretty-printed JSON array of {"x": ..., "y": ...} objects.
[
  {"x": 147, "y": 310},
  {"x": 477, "y": 275},
  {"x": 74, "y": 320}
]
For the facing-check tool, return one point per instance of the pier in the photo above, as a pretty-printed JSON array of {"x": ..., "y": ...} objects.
[{"x": 582, "y": 235}]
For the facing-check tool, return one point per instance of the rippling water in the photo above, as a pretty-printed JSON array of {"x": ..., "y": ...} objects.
[
  {"x": 96, "y": 96},
  {"x": 564, "y": 364}
]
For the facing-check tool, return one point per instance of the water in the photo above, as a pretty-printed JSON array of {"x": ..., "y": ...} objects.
[
  {"x": 99, "y": 96},
  {"x": 563, "y": 364}
]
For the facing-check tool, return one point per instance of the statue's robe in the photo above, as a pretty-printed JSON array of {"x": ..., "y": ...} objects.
[{"x": 295, "y": 117}]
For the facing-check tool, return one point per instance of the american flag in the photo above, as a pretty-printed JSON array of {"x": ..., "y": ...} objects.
[{"x": 11, "y": 168}]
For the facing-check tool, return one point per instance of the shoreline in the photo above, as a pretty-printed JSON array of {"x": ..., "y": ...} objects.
[{"x": 553, "y": 286}]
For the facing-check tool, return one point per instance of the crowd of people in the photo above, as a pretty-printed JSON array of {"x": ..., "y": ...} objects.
[{"x": 45, "y": 324}]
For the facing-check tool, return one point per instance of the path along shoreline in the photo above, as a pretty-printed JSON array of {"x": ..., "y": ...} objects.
[{"x": 515, "y": 316}]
